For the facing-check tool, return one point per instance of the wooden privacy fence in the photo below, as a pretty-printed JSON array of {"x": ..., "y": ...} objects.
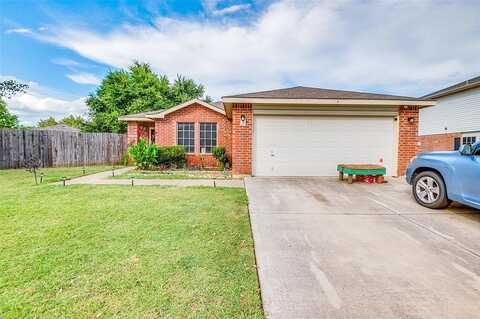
[{"x": 60, "y": 148}]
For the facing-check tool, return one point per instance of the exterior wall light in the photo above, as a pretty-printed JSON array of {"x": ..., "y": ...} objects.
[
  {"x": 243, "y": 120},
  {"x": 411, "y": 120}
]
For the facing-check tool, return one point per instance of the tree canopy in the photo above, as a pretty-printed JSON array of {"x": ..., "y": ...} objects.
[
  {"x": 7, "y": 119},
  {"x": 50, "y": 121},
  {"x": 8, "y": 89},
  {"x": 72, "y": 121},
  {"x": 135, "y": 90}
]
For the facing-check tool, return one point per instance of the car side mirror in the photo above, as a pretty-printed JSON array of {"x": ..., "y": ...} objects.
[{"x": 466, "y": 149}]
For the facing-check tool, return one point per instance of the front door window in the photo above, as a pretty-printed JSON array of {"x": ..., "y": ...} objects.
[{"x": 152, "y": 135}]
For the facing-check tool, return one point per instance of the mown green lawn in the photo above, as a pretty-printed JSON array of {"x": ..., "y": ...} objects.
[{"x": 115, "y": 251}]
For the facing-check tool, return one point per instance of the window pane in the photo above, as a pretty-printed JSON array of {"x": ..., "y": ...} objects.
[
  {"x": 186, "y": 136},
  {"x": 208, "y": 136},
  {"x": 456, "y": 143}
]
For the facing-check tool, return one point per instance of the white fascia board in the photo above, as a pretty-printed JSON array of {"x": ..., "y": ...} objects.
[
  {"x": 136, "y": 119},
  {"x": 326, "y": 113}
]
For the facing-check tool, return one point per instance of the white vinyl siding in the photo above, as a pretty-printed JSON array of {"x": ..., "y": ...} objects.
[
  {"x": 457, "y": 113},
  {"x": 314, "y": 145}
]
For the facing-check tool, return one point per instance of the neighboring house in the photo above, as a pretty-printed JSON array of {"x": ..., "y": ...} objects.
[
  {"x": 61, "y": 127},
  {"x": 297, "y": 131},
  {"x": 455, "y": 119}
]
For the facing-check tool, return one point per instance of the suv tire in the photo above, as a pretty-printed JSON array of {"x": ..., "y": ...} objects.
[{"x": 429, "y": 190}]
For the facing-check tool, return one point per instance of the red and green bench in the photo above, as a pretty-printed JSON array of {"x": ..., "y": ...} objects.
[{"x": 360, "y": 170}]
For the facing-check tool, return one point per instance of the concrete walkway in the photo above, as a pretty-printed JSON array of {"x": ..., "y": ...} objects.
[
  {"x": 103, "y": 179},
  {"x": 326, "y": 249}
]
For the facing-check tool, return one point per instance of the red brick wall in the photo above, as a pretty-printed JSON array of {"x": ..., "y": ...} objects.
[
  {"x": 138, "y": 130},
  {"x": 408, "y": 136},
  {"x": 438, "y": 142},
  {"x": 132, "y": 133},
  {"x": 166, "y": 132},
  {"x": 242, "y": 139}
]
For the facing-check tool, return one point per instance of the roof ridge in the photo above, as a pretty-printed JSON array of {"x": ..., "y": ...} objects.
[{"x": 319, "y": 93}]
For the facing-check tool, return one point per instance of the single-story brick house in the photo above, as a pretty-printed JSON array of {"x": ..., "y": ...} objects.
[
  {"x": 455, "y": 119},
  {"x": 299, "y": 131}
]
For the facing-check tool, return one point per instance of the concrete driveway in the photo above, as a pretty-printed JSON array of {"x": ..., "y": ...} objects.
[{"x": 326, "y": 249}]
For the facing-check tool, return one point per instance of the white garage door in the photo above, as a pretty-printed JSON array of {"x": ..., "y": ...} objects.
[{"x": 314, "y": 145}]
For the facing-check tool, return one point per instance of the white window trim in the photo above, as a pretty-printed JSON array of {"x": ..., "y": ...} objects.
[
  {"x": 194, "y": 136},
  {"x": 200, "y": 136}
]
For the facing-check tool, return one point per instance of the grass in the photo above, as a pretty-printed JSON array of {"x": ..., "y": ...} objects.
[
  {"x": 174, "y": 174},
  {"x": 114, "y": 251}
]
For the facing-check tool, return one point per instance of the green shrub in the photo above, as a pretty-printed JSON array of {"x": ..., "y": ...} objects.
[
  {"x": 172, "y": 156},
  {"x": 220, "y": 154},
  {"x": 144, "y": 154}
]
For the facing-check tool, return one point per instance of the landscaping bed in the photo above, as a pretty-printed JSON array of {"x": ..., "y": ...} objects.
[{"x": 87, "y": 251}]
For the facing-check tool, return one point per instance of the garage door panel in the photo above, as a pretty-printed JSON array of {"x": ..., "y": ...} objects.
[{"x": 313, "y": 145}]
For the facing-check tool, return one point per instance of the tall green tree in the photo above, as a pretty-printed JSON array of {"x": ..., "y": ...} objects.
[
  {"x": 137, "y": 89},
  {"x": 184, "y": 89},
  {"x": 7, "y": 119},
  {"x": 8, "y": 89}
]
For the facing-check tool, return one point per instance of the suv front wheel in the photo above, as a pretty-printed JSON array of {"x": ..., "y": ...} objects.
[{"x": 429, "y": 190}]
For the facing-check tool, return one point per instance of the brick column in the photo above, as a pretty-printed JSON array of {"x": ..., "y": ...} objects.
[
  {"x": 132, "y": 133},
  {"x": 407, "y": 136},
  {"x": 242, "y": 139}
]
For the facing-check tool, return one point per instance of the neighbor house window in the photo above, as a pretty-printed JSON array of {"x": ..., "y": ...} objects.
[
  {"x": 208, "y": 137},
  {"x": 457, "y": 143},
  {"x": 469, "y": 139},
  {"x": 186, "y": 136}
]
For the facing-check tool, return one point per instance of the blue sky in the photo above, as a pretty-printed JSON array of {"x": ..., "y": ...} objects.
[{"x": 64, "y": 48}]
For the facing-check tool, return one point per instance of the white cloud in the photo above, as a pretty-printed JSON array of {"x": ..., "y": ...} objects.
[
  {"x": 65, "y": 62},
  {"x": 84, "y": 78},
  {"x": 231, "y": 9},
  {"x": 19, "y": 30},
  {"x": 210, "y": 5},
  {"x": 40, "y": 102},
  {"x": 402, "y": 47}
]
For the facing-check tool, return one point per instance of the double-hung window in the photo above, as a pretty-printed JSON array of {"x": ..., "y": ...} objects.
[
  {"x": 469, "y": 139},
  {"x": 186, "y": 136},
  {"x": 208, "y": 137}
]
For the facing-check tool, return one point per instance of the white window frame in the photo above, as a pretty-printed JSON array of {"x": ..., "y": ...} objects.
[
  {"x": 183, "y": 138},
  {"x": 216, "y": 137},
  {"x": 469, "y": 139}
]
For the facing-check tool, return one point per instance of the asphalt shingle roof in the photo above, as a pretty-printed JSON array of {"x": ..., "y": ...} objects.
[
  {"x": 218, "y": 104},
  {"x": 302, "y": 92}
]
